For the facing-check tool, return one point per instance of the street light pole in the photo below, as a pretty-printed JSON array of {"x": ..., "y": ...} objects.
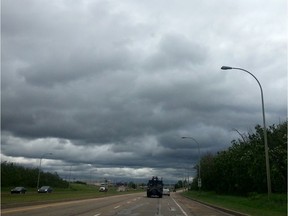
[
  {"x": 264, "y": 127},
  {"x": 40, "y": 167},
  {"x": 239, "y": 134},
  {"x": 199, "y": 172}
]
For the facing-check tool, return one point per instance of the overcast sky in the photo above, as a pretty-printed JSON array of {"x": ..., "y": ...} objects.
[{"x": 110, "y": 87}]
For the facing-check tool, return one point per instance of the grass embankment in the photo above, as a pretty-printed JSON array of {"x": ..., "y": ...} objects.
[
  {"x": 255, "y": 204},
  {"x": 75, "y": 192}
]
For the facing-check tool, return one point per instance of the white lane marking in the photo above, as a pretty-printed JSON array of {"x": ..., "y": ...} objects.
[
  {"x": 159, "y": 208},
  {"x": 97, "y": 214},
  {"x": 117, "y": 206},
  {"x": 180, "y": 208}
]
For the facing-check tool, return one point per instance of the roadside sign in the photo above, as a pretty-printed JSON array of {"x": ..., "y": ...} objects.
[{"x": 199, "y": 182}]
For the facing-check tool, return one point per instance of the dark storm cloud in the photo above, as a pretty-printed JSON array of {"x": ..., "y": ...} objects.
[
  {"x": 175, "y": 52},
  {"x": 111, "y": 88}
]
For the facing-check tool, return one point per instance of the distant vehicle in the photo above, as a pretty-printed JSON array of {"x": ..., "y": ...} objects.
[
  {"x": 103, "y": 189},
  {"x": 166, "y": 191},
  {"x": 45, "y": 189},
  {"x": 18, "y": 190},
  {"x": 155, "y": 187}
]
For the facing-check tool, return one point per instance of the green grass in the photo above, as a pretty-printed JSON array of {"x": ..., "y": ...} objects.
[
  {"x": 255, "y": 204},
  {"x": 75, "y": 192}
]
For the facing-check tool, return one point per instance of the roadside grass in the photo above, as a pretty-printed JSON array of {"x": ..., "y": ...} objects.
[
  {"x": 254, "y": 204},
  {"x": 74, "y": 192}
]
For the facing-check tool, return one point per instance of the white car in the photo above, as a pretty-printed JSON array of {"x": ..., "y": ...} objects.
[
  {"x": 166, "y": 191},
  {"x": 103, "y": 189}
]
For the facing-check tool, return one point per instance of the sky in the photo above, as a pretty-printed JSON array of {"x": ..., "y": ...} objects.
[{"x": 109, "y": 87}]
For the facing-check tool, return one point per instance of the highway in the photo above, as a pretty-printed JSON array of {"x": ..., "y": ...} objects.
[{"x": 131, "y": 204}]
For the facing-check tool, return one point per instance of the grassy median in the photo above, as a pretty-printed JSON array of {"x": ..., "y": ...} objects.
[
  {"x": 74, "y": 192},
  {"x": 254, "y": 204}
]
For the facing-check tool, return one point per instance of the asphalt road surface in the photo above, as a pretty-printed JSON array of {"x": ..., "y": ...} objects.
[{"x": 132, "y": 204}]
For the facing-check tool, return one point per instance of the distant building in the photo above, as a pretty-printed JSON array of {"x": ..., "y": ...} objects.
[{"x": 121, "y": 188}]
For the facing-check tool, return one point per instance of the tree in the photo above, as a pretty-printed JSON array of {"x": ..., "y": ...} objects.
[
  {"x": 207, "y": 177},
  {"x": 242, "y": 169},
  {"x": 179, "y": 184},
  {"x": 132, "y": 185},
  {"x": 15, "y": 175}
]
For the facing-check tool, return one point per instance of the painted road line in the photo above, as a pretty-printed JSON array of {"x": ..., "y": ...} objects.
[{"x": 180, "y": 207}]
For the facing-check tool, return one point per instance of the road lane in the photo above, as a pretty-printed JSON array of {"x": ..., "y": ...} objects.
[
  {"x": 195, "y": 208},
  {"x": 79, "y": 207},
  {"x": 131, "y": 204}
]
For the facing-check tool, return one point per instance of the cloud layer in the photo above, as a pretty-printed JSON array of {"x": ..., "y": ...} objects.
[{"x": 110, "y": 88}]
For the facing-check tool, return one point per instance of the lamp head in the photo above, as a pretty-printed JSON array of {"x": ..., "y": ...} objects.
[{"x": 226, "y": 68}]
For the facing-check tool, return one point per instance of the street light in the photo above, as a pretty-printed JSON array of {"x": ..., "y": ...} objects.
[
  {"x": 264, "y": 127},
  {"x": 199, "y": 172},
  {"x": 40, "y": 167},
  {"x": 234, "y": 129}
]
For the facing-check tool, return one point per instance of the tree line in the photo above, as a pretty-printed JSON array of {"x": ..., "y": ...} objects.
[
  {"x": 241, "y": 169},
  {"x": 13, "y": 175}
]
